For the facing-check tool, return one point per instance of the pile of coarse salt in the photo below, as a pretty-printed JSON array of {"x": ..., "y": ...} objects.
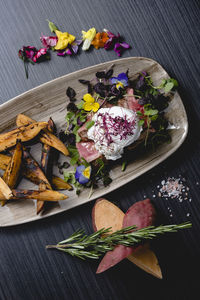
[{"x": 174, "y": 188}]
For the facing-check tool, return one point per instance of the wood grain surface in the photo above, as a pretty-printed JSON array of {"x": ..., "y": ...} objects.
[{"x": 166, "y": 31}]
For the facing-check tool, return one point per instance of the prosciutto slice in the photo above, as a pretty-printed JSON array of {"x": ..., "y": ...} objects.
[
  {"x": 88, "y": 151},
  {"x": 129, "y": 101},
  {"x": 141, "y": 214}
]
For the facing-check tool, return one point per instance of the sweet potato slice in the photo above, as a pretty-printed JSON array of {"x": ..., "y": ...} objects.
[
  {"x": 5, "y": 191},
  {"x": 104, "y": 215},
  {"x": 23, "y": 133},
  {"x": 60, "y": 184},
  {"x": 32, "y": 170},
  {"x": 12, "y": 171},
  {"x": 46, "y": 166},
  {"x": 47, "y": 195},
  {"x": 46, "y": 136},
  {"x": 29, "y": 173}
]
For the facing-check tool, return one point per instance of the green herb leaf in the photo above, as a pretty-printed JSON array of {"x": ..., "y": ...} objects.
[
  {"x": 141, "y": 122},
  {"x": 151, "y": 112},
  {"x": 89, "y": 124}
]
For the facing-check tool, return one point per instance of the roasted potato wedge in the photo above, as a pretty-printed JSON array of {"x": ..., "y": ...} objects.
[
  {"x": 23, "y": 133},
  {"x": 47, "y": 195},
  {"x": 5, "y": 191},
  {"x": 46, "y": 166},
  {"x": 59, "y": 184},
  {"x": 46, "y": 136},
  {"x": 34, "y": 174},
  {"x": 32, "y": 171},
  {"x": 12, "y": 171}
]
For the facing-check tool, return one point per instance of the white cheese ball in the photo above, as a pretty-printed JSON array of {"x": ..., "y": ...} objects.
[{"x": 114, "y": 129}]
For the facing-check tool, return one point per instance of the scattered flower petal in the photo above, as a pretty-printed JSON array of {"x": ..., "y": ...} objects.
[
  {"x": 26, "y": 53},
  {"x": 119, "y": 47},
  {"x": 100, "y": 39},
  {"x": 115, "y": 42},
  {"x": 88, "y": 37},
  {"x": 48, "y": 41},
  {"x": 41, "y": 55},
  {"x": 64, "y": 38}
]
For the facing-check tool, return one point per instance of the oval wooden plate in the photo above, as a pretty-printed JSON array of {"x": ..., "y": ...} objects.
[{"x": 50, "y": 99}]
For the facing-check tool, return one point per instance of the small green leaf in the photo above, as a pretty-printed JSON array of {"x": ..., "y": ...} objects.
[
  {"x": 139, "y": 113},
  {"x": 89, "y": 124},
  {"x": 52, "y": 26},
  {"x": 141, "y": 122},
  {"x": 168, "y": 87},
  {"x": 80, "y": 105},
  {"x": 151, "y": 112},
  {"x": 154, "y": 117}
]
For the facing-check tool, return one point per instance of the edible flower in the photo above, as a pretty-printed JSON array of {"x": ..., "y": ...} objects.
[
  {"x": 32, "y": 55},
  {"x": 71, "y": 49},
  {"x": 90, "y": 103},
  {"x": 48, "y": 41},
  {"x": 88, "y": 37},
  {"x": 120, "y": 47},
  {"x": 82, "y": 174},
  {"x": 100, "y": 39},
  {"x": 26, "y": 53},
  {"x": 121, "y": 80},
  {"x": 41, "y": 55},
  {"x": 115, "y": 42},
  {"x": 64, "y": 38}
]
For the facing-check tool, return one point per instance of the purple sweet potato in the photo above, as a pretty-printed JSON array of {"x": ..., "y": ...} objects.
[{"x": 141, "y": 214}]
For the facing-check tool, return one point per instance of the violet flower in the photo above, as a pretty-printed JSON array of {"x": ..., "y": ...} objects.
[
  {"x": 121, "y": 80},
  {"x": 82, "y": 174},
  {"x": 71, "y": 49},
  {"x": 115, "y": 42}
]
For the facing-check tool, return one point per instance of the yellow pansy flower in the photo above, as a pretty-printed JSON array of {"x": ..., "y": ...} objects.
[
  {"x": 64, "y": 38},
  {"x": 90, "y": 103},
  {"x": 88, "y": 37},
  {"x": 87, "y": 172}
]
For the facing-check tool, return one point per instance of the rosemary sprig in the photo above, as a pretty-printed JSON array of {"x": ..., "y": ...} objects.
[{"x": 94, "y": 245}]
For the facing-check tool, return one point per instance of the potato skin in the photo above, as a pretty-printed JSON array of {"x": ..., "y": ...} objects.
[
  {"x": 46, "y": 137},
  {"x": 23, "y": 133},
  {"x": 12, "y": 171}
]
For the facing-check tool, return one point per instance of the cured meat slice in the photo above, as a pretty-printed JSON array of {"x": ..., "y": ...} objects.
[{"x": 88, "y": 151}]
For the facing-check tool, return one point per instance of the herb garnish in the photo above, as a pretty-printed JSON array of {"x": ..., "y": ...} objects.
[
  {"x": 147, "y": 100},
  {"x": 94, "y": 245}
]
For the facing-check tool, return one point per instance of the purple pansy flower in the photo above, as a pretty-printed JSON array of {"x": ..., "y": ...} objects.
[
  {"x": 115, "y": 42},
  {"x": 121, "y": 80},
  {"x": 48, "y": 41},
  {"x": 82, "y": 174},
  {"x": 71, "y": 49}
]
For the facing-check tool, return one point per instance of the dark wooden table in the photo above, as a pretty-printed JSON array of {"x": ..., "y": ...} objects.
[{"x": 167, "y": 31}]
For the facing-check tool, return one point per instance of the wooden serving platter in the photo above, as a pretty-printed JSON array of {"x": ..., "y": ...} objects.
[{"x": 49, "y": 100}]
